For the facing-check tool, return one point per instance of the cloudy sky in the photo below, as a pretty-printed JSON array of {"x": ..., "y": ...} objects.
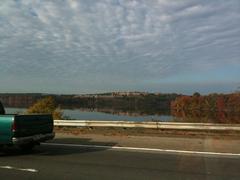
[{"x": 88, "y": 46}]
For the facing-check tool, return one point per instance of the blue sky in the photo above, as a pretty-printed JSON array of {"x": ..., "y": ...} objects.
[{"x": 89, "y": 46}]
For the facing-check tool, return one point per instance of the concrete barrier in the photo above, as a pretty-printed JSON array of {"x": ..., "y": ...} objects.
[{"x": 151, "y": 125}]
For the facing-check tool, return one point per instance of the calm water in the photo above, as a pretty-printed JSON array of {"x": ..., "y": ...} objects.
[
  {"x": 92, "y": 115},
  {"x": 117, "y": 115}
]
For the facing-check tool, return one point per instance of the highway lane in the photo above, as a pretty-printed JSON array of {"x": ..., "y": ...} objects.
[{"x": 69, "y": 162}]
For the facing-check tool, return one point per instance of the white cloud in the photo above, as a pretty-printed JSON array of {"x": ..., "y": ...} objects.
[{"x": 119, "y": 39}]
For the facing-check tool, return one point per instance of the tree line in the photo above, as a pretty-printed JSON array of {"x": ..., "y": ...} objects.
[{"x": 211, "y": 102}]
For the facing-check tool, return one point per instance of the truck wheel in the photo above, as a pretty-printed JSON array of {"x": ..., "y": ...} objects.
[{"x": 27, "y": 147}]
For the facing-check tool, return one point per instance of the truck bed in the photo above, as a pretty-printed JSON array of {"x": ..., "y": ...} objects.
[{"x": 28, "y": 125}]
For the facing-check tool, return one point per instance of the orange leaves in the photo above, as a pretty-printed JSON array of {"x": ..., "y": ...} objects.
[{"x": 216, "y": 102}]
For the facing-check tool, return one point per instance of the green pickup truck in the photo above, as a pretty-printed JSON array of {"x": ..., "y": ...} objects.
[{"x": 24, "y": 131}]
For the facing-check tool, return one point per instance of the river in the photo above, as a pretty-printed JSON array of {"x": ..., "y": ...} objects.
[
  {"x": 130, "y": 115},
  {"x": 79, "y": 114}
]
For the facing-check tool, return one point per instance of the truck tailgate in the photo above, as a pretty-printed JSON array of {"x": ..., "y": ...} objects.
[{"x": 28, "y": 125}]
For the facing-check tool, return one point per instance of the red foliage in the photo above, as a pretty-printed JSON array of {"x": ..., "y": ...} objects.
[
  {"x": 217, "y": 102},
  {"x": 220, "y": 103}
]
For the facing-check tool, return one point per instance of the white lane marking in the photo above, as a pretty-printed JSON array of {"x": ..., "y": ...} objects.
[
  {"x": 19, "y": 169},
  {"x": 145, "y": 149}
]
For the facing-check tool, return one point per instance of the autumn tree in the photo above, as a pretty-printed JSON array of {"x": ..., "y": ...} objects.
[
  {"x": 46, "y": 106},
  {"x": 211, "y": 102}
]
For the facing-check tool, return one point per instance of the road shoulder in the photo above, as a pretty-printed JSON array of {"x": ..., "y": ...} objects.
[{"x": 202, "y": 144}]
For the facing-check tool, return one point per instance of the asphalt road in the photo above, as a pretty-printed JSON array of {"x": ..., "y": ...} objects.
[{"x": 69, "y": 162}]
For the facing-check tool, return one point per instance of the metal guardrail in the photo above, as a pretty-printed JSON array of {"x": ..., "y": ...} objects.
[{"x": 151, "y": 125}]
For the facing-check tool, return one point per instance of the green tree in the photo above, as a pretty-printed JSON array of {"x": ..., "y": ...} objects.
[
  {"x": 196, "y": 94},
  {"x": 46, "y": 106}
]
